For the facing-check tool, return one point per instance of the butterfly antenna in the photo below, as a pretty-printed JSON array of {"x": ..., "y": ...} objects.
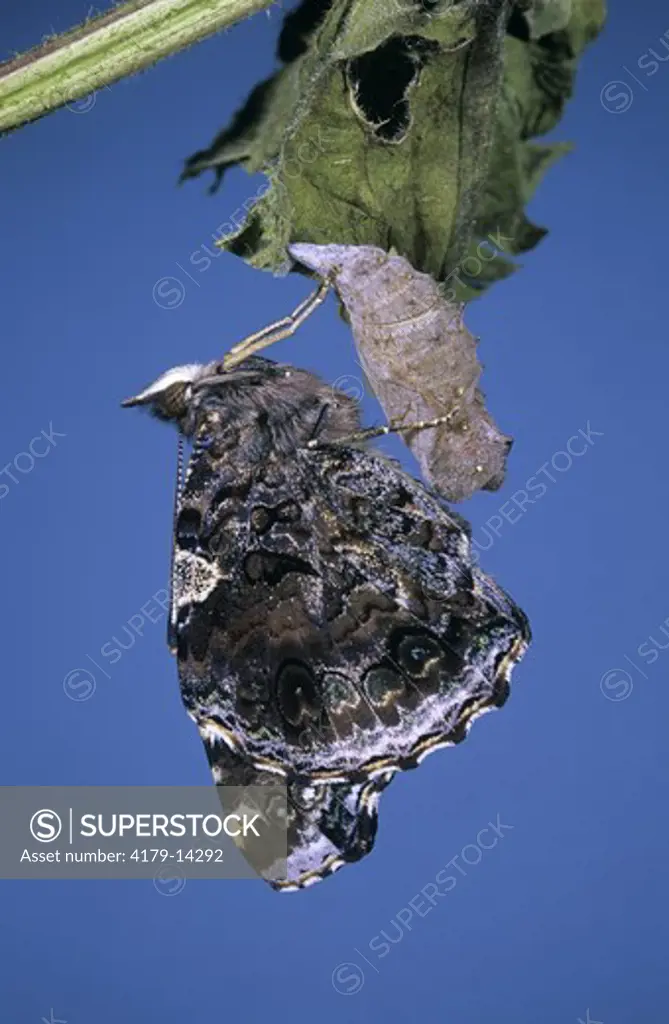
[{"x": 178, "y": 488}]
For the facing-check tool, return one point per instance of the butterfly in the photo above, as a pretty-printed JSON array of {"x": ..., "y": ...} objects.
[{"x": 330, "y": 624}]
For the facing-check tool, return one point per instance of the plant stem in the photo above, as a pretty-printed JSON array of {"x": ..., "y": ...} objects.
[{"x": 107, "y": 48}]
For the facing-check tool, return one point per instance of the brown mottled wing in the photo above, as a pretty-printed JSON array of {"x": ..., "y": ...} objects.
[
  {"x": 332, "y": 626},
  {"x": 327, "y": 825}
]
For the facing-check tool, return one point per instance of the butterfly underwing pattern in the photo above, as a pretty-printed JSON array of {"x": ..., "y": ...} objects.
[
  {"x": 330, "y": 625},
  {"x": 320, "y": 826}
]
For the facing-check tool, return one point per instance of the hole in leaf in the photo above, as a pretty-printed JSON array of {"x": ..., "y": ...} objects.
[{"x": 380, "y": 82}]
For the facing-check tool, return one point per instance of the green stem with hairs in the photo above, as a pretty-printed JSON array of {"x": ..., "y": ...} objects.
[{"x": 106, "y": 49}]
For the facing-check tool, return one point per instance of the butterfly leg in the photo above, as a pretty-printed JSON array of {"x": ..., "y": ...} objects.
[
  {"x": 277, "y": 331},
  {"x": 394, "y": 427}
]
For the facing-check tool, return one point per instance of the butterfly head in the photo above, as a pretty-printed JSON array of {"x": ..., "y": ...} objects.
[
  {"x": 179, "y": 394},
  {"x": 291, "y": 402}
]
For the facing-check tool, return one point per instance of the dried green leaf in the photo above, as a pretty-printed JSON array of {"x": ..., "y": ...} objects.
[
  {"x": 407, "y": 125},
  {"x": 388, "y": 142}
]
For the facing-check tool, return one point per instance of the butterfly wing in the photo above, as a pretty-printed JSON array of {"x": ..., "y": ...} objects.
[
  {"x": 326, "y": 825},
  {"x": 332, "y": 625}
]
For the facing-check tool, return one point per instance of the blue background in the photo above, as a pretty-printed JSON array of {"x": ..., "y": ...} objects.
[{"x": 568, "y": 913}]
